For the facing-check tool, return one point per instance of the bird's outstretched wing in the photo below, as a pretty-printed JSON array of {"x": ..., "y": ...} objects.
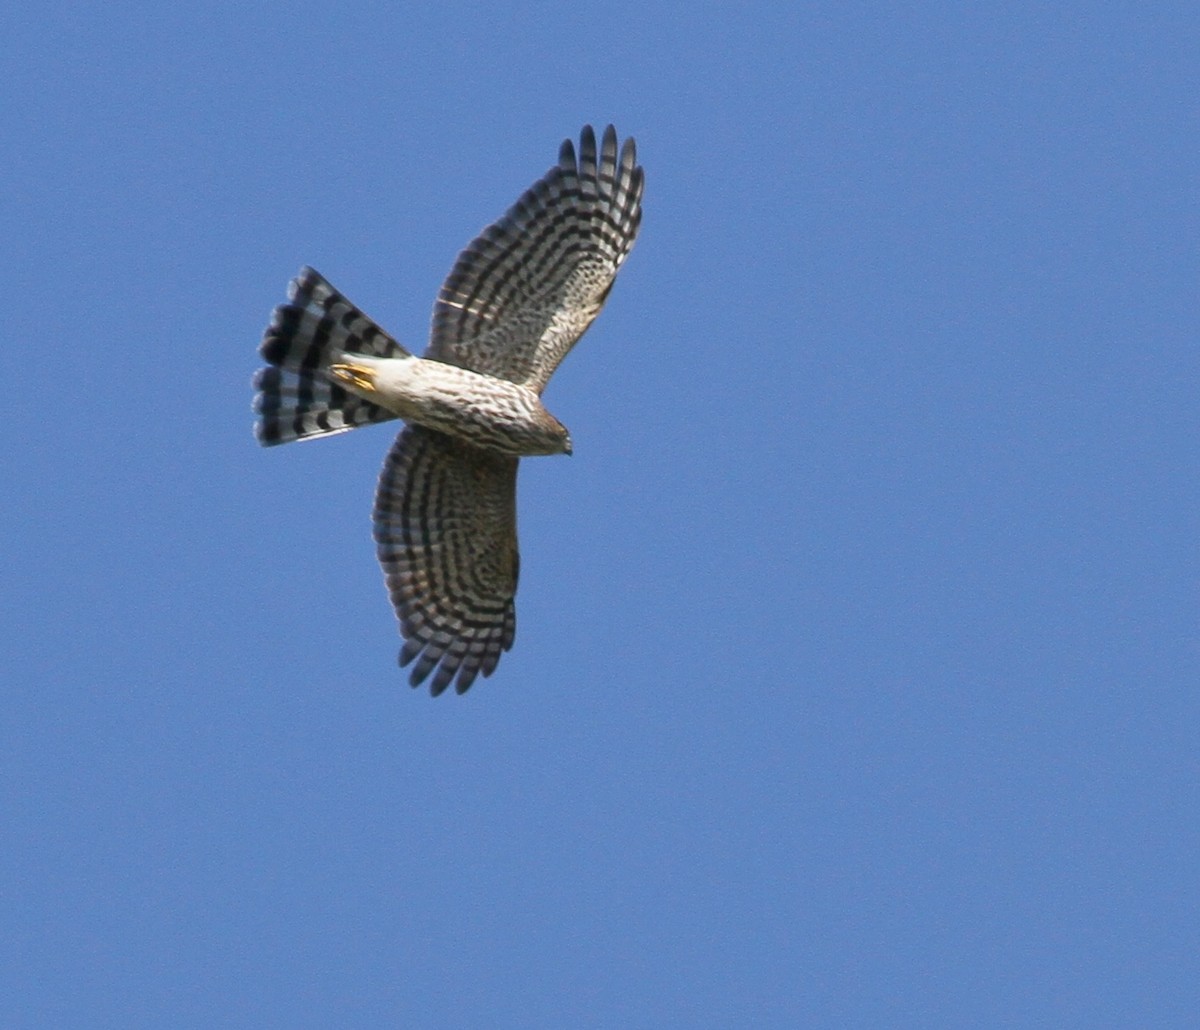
[
  {"x": 446, "y": 529},
  {"x": 525, "y": 290}
]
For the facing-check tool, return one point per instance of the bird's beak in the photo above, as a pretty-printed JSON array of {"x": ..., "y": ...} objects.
[
  {"x": 567, "y": 450},
  {"x": 359, "y": 377}
]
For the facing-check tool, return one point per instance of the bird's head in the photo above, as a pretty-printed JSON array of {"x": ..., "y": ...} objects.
[{"x": 550, "y": 435}]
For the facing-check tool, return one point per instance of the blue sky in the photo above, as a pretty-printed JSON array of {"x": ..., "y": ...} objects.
[{"x": 856, "y": 670}]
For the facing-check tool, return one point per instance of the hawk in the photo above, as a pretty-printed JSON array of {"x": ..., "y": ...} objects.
[{"x": 514, "y": 304}]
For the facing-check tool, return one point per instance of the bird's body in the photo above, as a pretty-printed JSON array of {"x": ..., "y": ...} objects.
[
  {"x": 477, "y": 409},
  {"x": 514, "y": 304}
]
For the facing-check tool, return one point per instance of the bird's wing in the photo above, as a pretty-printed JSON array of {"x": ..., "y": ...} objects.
[
  {"x": 525, "y": 290},
  {"x": 446, "y": 529}
]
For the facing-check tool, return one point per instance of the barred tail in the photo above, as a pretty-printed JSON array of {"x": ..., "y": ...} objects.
[{"x": 318, "y": 326}]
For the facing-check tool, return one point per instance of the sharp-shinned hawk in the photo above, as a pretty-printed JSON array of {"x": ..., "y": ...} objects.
[{"x": 514, "y": 304}]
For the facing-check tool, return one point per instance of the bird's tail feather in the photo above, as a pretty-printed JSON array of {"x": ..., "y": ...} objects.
[{"x": 297, "y": 399}]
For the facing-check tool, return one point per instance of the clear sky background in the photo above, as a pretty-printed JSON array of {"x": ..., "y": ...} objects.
[{"x": 856, "y": 675}]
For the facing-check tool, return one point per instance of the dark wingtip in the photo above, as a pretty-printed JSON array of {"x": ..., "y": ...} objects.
[{"x": 420, "y": 672}]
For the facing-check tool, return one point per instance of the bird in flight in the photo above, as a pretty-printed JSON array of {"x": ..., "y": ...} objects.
[{"x": 512, "y": 307}]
